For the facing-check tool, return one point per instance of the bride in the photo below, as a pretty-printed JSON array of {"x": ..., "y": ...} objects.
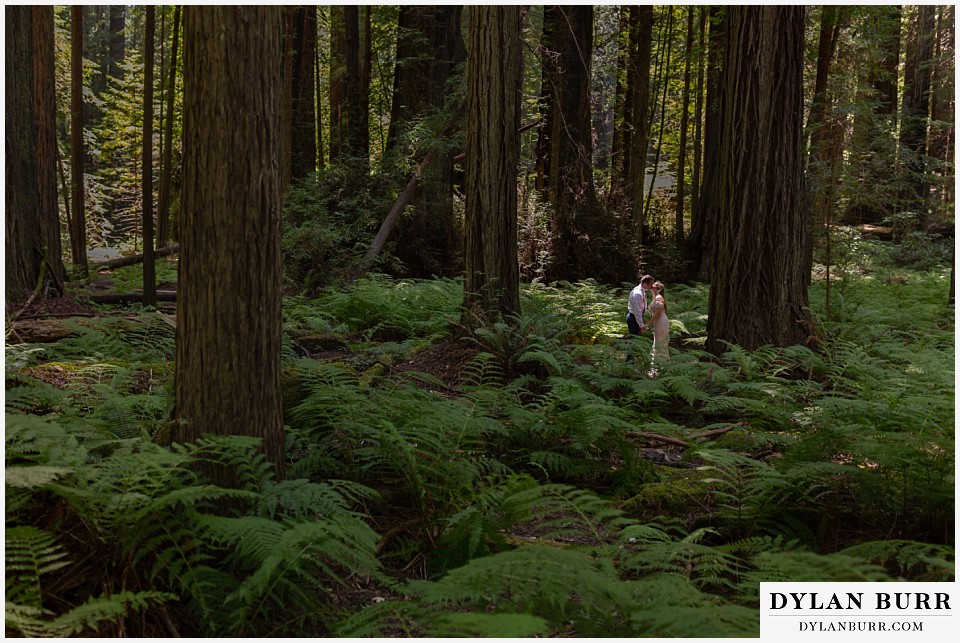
[{"x": 661, "y": 327}]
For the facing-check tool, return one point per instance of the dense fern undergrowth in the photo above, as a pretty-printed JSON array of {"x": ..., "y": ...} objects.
[{"x": 544, "y": 486}]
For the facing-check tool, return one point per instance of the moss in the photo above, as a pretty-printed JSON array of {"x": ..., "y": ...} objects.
[{"x": 679, "y": 491}]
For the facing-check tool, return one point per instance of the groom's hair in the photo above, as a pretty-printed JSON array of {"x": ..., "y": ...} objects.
[{"x": 644, "y": 279}]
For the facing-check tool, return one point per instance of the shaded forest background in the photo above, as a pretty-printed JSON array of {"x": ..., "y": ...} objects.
[{"x": 275, "y": 364}]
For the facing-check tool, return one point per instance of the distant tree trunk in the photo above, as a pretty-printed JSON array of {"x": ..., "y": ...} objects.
[
  {"x": 567, "y": 64},
  {"x": 349, "y": 93},
  {"x": 758, "y": 291},
  {"x": 429, "y": 46},
  {"x": 684, "y": 127},
  {"x": 698, "y": 121},
  {"x": 227, "y": 376},
  {"x": 663, "y": 79},
  {"x": 641, "y": 29},
  {"x": 699, "y": 250},
  {"x": 940, "y": 147},
  {"x": 303, "y": 151},
  {"x": 823, "y": 132},
  {"x": 494, "y": 66},
  {"x": 32, "y": 243},
  {"x": 117, "y": 41},
  {"x": 166, "y": 170},
  {"x": 875, "y": 155},
  {"x": 78, "y": 229},
  {"x": 622, "y": 104},
  {"x": 916, "y": 109},
  {"x": 149, "y": 264}
]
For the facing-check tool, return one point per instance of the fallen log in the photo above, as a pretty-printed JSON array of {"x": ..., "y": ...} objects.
[
  {"x": 130, "y": 260},
  {"x": 47, "y": 331}
]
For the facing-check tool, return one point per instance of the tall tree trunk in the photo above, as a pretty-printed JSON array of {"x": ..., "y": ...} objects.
[
  {"x": 78, "y": 230},
  {"x": 149, "y": 265},
  {"x": 228, "y": 314},
  {"x": 699, "y": 249},
  {"x": 567, "y": 65},
  {"x": 684, "y": 127},
  {"x": 494, "y": 77},
  {"x": 117, "y": 41},
  {"x": 429, "y": 46},
  {"x": 166, "y": 170},
  {"x": 32, "y": 243},
  {"x": 664, "y": 80},
  {"x": 942, "y": 112},
  {"x": 349, "y": 87},
  {"x": 303, "y": 150},
  {"x": 623, "y": 104},
  {"x": 758, "y": 291},
  {"x": 916, "y": 110},
  {"x": 875, "y": 154},
  {"x": 641, "y": 29},
  {"x": 698, "y": 120},
  {"x": 822, "y": 132}
]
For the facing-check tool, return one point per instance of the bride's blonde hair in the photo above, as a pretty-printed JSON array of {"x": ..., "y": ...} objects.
[{"x": 658, "y": 289}]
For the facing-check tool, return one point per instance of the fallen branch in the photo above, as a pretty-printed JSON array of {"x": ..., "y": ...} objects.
[{"x": 130, "y": 260}]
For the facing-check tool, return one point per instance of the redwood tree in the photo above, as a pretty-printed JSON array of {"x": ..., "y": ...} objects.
[
  {"x": 429, "y": 47},
  {"x": 494, "y": 64},
  {"x": 78, "y": 220},
  {"x": 567, "y": 53},
  {"x": 758, "y": 291},
  {"x": 32, "y": 224},
  {"x": 228, "y": 309}
]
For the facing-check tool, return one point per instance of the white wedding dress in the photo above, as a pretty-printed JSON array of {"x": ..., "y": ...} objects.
[{"x": 661, "y": 333}]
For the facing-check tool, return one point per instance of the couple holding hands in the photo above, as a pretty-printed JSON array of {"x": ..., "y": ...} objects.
[{"x": 637, "y": 308}]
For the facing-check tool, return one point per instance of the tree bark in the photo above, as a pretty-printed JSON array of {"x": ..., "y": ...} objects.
[
  {"x": 567, "y": 65},
  {"x": 303, "y": 150},
  {"x": 146, "y": 181},
  {"x": 684, "y": 127},
  {"x": 641, "y": 18},
  {"x": 78, "y": 233},
  {"x": 429, "y": 46},
  {"x": 32, "y": 242},
  {"x": 494, "y": 66},
  {"x": 916, "y": 108},
  {"x": 227, "y": 376},
  {"x": 698, "y": 246},
  {"x": 758, "y": 293},
  {"x": 166, "y": 170}
]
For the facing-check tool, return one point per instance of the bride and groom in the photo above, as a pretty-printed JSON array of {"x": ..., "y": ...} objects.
[{"x": 637, "y": 309}]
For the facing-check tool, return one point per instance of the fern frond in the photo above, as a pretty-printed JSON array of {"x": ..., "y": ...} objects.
[{"x": 29, "y": 554}]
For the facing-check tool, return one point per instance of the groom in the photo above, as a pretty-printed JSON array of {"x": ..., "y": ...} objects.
[{"x": 637, "y": 308}]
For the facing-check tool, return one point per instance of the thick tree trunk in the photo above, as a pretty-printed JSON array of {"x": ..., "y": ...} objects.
[
  {"x": 567, "y": 65},
  {"x": 429, "y": 46},
  {"x": 494, "y": 66},
  {"x": 32, "y": 242},
  {"x": 78, "y": 231},
  {"x": 228, "y": 316},
  {"x": 758, "y": 291}
]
